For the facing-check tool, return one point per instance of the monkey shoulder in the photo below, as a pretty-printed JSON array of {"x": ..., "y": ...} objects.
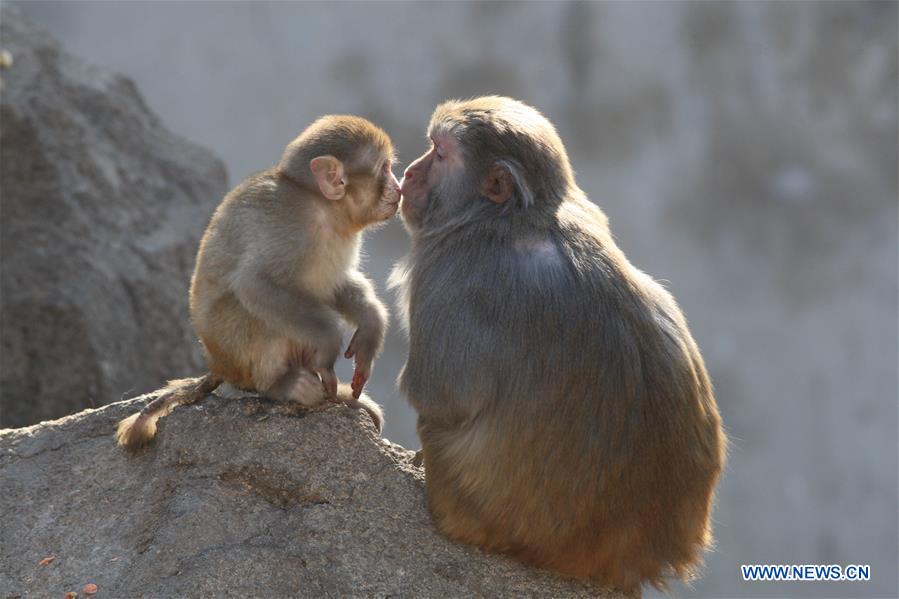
[
  {"x": 250, "y": 205},
  {"x": 538, "y": 255},
  {"x": 274, "y": 206},
  {"x": 269, "y": 191},
  {"x": 630, "y": 305},
  {"x": 481, "y": 293}
]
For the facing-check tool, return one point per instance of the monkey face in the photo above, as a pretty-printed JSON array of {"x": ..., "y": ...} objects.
[
  {"x": 442, "y": 161},
  {"x": 388, "y": 200},
  {"x": 390, "y": 195},
  {"x": 375, "y": 196}
]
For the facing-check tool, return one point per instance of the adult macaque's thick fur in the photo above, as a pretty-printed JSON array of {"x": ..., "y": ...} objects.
[
  {"x": 564, "y": 410},
  {"x": 278, "y": 271}
]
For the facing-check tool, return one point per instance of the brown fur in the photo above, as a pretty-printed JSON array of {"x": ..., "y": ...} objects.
[
  {"x": 277, "y": 272},
  {"x": 139, "y": 429},
  {"x": 565, "y": 413}
]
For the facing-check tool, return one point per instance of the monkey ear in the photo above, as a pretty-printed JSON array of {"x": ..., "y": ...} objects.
[
  {"x": 498, "y": 185},
  {"x": 328, "y": 172}
]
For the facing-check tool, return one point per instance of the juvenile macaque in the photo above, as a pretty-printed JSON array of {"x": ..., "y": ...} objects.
[
  {"x": 277, "y": 270},
  {"x": 564, "y": 410}
]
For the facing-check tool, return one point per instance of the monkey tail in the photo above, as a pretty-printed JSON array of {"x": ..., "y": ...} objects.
[
  {"x": 345, "y": 395},
  {"x": 139, "y": 429}
]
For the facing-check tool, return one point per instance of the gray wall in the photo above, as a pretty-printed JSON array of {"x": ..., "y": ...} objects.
[{"x": 746, "y": 153}]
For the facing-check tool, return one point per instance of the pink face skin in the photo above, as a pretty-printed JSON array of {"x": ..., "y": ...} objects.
[{"x": 443, "y": 159}]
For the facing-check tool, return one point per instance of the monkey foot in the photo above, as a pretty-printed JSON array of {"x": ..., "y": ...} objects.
[{"x": 307, "y": 390}]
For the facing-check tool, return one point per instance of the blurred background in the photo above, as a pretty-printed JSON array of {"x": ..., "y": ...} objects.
[{"x": 745, "y": 153}]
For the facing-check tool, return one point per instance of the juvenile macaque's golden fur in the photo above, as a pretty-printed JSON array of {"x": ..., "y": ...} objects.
[
  {"x": 564, "y": 410},
  {"x": 277, "y": 271}
]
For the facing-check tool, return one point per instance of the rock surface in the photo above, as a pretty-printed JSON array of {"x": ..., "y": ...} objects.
[
  {"x": 102, "y": 212},
  {"x": 236, "y": 497}
]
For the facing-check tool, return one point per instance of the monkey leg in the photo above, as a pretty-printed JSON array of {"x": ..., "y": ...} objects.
[
  {"x": 274, "y": 365},
  {"x": 454, "y": 514},
  {"x": 298, "y": 385},
  {"x": 305, "y": 387},
  {"x": 282, "y": 373}
]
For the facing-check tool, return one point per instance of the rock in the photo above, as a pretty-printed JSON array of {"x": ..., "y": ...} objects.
[
  {"x": 102, "y": 211},
  {"x": 235, "y": 497}
]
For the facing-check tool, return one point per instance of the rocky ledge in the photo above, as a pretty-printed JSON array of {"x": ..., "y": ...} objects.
[{"x": 244, "y": 497}]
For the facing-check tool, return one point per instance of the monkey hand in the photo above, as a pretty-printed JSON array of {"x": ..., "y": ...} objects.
[{"x": 363, "y": 347}]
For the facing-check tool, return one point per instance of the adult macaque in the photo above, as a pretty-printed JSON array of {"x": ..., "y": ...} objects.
[
  {"x": 564, "y": 410},
  {"x": 277, "y": 270}
]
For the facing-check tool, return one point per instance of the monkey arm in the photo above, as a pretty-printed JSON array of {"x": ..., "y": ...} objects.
[
  {"x": 301, "y": 315},
  {"x": 357, "y": 302}
]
